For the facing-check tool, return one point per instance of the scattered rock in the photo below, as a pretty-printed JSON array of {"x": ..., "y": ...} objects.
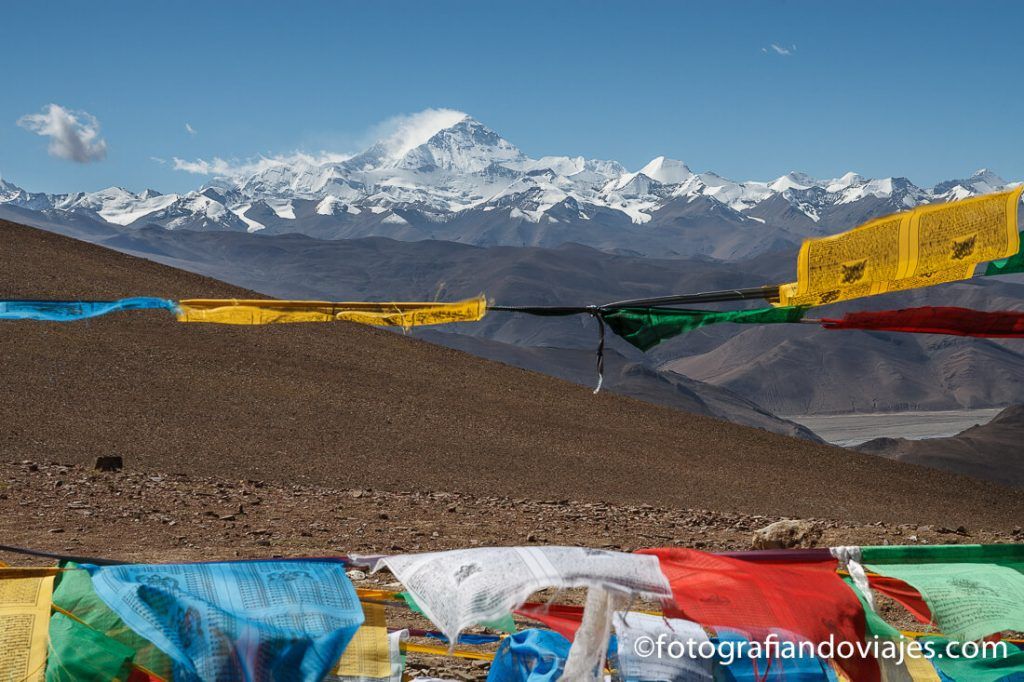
[
  {"x": 356, "y": 574},
  {"x": 786, "y": 534},
  {"x": 109, "y": 463}
]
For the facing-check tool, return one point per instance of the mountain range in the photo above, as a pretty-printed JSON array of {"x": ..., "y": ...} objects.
[{"x": 453, "y": 178}]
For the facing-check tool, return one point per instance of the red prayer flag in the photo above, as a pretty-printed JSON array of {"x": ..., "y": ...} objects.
[
  {"x": 903, "y": 593},
  {"x": 936, "y": 320},
  {"x": 141, "y": 675},
  {"x": 807, "y": 598},
  {"x": 562, "y": 618}
]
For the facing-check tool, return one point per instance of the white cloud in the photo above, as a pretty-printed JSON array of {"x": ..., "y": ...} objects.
[
  {"x": 400, "y": 134},
  {"x": 223, "y": 168},
  {"x": 190, "y": 130},
  {"x": 780, "y": 50},
  {"x": 74, "y": 135}
]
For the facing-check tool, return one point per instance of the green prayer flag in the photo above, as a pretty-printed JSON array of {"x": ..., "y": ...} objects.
[
  {"x": 971, "y": 590},
  {"x": 876, "y": 625},
  {"x": 74, "y": 594},
  {"x": 986, "y": 666},
  {"x": 77, "y": 652},
  {"x": 1005, "y": 266},
  {"x": 647, "y": 327}
]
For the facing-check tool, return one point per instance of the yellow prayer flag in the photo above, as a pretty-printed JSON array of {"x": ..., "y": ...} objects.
[
  {"x": 270, "y": 311},
  {"x": 368, "y": 654},
  {"x": 918, "y": 667},
  {"x": 929, "y": 245},
  {"x": 372, "y": 593},
  {"x": 25, "y": 595}
]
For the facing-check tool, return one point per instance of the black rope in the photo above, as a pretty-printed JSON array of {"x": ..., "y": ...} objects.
[
  {"x": 765, "y": 292},
  {"x": 61, "y": 557},
  {"x": 542, "y": 310},
  {"x": 723, "y": 296}
]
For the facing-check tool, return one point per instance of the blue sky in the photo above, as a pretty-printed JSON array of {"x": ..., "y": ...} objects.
[{"x": 926, "y": 90}]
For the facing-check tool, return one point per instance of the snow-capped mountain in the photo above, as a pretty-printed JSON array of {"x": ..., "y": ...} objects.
[{"x": 453, "y": 178}]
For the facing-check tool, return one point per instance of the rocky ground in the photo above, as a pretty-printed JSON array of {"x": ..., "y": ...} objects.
[{"x": 152, "y": 517}]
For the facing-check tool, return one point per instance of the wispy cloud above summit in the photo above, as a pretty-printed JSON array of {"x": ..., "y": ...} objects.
[
  {"x": 400, "y": 134},
  {"x": 74, "y": 135},
  {"x": 779, "y": 50}
]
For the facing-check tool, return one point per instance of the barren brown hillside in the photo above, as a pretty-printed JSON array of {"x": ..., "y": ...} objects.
[{"x": 346, "y": 406}]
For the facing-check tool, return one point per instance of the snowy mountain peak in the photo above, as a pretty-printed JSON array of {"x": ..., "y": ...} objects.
[
  {"x": 844, "y": 182},
  {"x": 982, "y": 181},
  {"x": 403, "y": 135},
  {"x": 793, "y": 180},
  {"x": 412, "y": 131},
  {"x": 467, "y": 146},
  {"x": 667, "y": 171}
]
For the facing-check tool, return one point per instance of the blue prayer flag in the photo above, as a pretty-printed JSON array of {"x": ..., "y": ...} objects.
[
  {"x": 530, "y": 656},
  {"x": 68, "y": 311},
  {"x": 744, "y": 668},
  {"x": 287, "y": 620}
]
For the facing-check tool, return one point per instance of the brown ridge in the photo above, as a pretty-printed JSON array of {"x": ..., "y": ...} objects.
[{"x": 344, "y": 405}]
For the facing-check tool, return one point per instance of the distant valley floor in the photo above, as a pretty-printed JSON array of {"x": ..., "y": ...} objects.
[{"x": 847, "y": 430}]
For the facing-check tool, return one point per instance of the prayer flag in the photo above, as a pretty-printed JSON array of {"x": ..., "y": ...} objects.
[
  {"x": 75, "y": 596},
  {"x": 246, "y": 620},
  {"x": 936, "y": 320},
  {"x": 24, "y": 622},
  {"x": 647, "y": 327},
  {"x": 69, "y": 311},
  {"x": 77, "y": 652},
  {"x": 808, "y": 599},
  {"x": 971, "y": 590},
  {"x": 1007, "y": 266},
  {"x": 460, "y": 588},
  {"x": 530, "y": 656},
  {"x": 653, "y": 649},
  {"x": 272, "y": 311},
  {"x": 929, "y": 245}
]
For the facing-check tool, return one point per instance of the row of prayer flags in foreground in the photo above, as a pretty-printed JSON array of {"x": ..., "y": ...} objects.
[{"x": 777, "y": 615}]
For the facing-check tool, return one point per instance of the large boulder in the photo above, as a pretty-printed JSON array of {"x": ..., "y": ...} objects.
[{"x": 785, "y": 534}]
